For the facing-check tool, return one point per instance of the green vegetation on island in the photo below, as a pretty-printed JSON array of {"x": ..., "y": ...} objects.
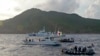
[{"x": 34, "y": 20}]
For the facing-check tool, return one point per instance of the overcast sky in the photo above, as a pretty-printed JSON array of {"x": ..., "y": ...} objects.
[{"x": 85, "y": 8}]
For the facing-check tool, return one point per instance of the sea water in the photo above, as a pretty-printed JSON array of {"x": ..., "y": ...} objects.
[{"x": 12, "y": 45}]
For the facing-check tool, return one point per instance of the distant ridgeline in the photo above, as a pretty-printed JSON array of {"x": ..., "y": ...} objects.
[{"x": 33, "y": 20}]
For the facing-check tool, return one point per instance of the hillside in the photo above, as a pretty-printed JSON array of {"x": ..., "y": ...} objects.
[{"x": 33, "y": 20}]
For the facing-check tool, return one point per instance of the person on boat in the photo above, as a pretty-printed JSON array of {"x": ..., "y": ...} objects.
[
  {"x": 29, "y": 40},
  {"x": 71, "y": 50},
  {"x": 72, "y": 39},
  {"x": 39, "y": 39},
  {"x": 75, "y": 48},
  {"x": 84, "y": 49},
  {"x": 26, "y": 39},
  {"x": 68, "y": 39},
  {"x": 32, "y": 40},
  {"x": 51, "y": 38},
  {"x": 79, "y": 49},
  {"x": 92, "y": 45}
]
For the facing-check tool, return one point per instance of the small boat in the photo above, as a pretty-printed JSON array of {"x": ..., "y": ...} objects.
[
  {"x": 71, "y": 51},
  {"x": 46, "y": 41},
  {"x": 70, "y": 40}
]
